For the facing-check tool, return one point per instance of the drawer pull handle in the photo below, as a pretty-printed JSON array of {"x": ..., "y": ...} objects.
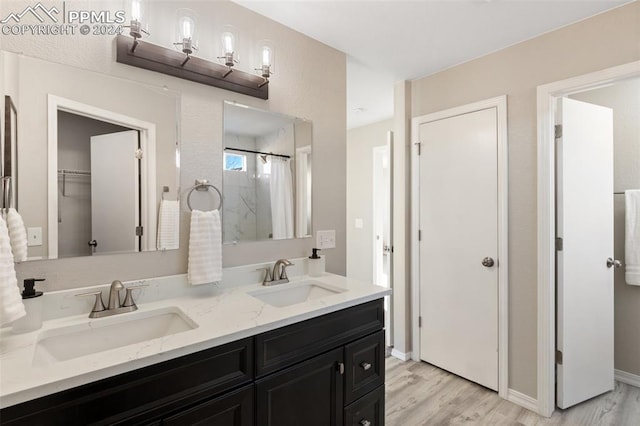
[
  {"x": 365, "y": 365},
  {"x": 365, "y": 422}
]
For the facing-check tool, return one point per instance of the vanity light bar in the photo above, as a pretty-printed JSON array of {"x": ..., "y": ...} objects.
[{"x": 171, "y": 62}]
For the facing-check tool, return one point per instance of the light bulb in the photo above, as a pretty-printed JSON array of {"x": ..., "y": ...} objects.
[
  {"x": 136, "y": 10},
  {"x": 227, "y": 42},
  {"x": 266, "y": 55},
  {"x": 187, "y": 26}
]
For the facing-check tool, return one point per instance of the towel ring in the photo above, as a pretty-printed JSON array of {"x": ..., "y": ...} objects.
[{"x": 203, "y": 185}]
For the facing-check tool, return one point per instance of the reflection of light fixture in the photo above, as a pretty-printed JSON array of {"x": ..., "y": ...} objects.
[
  {"x": 266, "y": 59},
  {"x": 229, "y": 48},
  {"x": 185, "y": 32},
  {"x": 136, "y": 28}
]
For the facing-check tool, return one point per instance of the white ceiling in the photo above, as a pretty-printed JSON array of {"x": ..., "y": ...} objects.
[{"x": 389, "y": 41}]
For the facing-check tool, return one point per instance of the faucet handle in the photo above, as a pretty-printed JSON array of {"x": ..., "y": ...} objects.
[
  {"x": 98, "y": 305},
  {"x": 267, "y": 277},
  {"x": 128, "y": 298}
]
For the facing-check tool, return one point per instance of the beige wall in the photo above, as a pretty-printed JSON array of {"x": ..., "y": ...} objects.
[
  {"x": 600, "y": 42},
  {"x": 360, "y": 144},
  {"x": 624, "y": 99},
  {"x": 299, "y": 88}
]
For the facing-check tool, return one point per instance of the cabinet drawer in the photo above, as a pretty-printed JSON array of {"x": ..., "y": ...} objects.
[
  {"x": 285, "y": 346},
  {"x": 232, "y": 409},
  {"x": 142, "y": 395},
  {"x": 367, "y": 411},
  {"x": 364, "y": 366}
]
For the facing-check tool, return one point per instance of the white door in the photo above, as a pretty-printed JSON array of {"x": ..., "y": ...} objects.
[
  {"x": 459, "y": 230},
  {"x": 382, "y": 172},
  {"x": 114, "y": 192},
  {"x": 585, "y": 224}
]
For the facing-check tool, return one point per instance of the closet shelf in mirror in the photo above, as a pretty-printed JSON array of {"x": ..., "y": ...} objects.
[
  {"x": 65, "y": 172},
  {"x": 171, "y": 62}
]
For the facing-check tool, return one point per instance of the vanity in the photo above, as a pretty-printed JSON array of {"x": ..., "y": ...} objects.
[{"x": 242, "y": 360}]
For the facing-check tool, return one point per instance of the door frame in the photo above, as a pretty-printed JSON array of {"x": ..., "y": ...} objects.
[
  {"x": 500, "y": 103},
  {"x": 547, "y": 96},
  {"x": 388, "y": 147},
  {"x": 147, "y": 132},
  {"x": 376, "y": 215}
]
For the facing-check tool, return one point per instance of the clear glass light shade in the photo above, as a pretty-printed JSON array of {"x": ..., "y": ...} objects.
[
  {"x": 137, "y": 26},
  {"x": 228, "y": 43},
  {"x": 186, "y": 25},
  {"x": 266, "y": 58}
]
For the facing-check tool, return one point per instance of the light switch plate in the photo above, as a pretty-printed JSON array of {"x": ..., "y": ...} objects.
[
  {"x": 34, "y": 236},
  {"x": 326, "y": 239},
  {"x": 359, "y": 223}
]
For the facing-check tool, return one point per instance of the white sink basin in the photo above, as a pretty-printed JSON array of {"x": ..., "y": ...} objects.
[
  {"x": 98, "y": 335},
  {"x": 281, "y": 295}
]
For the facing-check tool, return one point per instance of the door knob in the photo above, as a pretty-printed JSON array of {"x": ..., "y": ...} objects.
[
  {"x": 487, "y": 262},
  {"x": 93, "y": 243},
  {"x": 611, "y": 262}
]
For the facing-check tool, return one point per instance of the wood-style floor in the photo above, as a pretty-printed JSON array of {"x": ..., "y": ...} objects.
[{"x": 421, "y": 394}]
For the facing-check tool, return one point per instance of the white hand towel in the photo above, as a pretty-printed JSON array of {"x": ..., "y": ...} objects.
[
  {"x": 205, "y": 248},
  {"x": 632, "y": 237},
  {"x": 17, "y": 235},
  {"x": 168, "y": 225},
  {"x": 11, "y": 306}
]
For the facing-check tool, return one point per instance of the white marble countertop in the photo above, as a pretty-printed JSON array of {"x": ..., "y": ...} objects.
[{"x": 223, "y": 314}]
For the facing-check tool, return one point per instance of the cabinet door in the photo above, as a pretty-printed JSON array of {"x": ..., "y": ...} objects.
[
  {"x": 233, "y": 409},
  {"x": 309, "y": 393}
]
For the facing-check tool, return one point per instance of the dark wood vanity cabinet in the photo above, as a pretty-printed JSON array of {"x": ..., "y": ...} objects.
[
  {"x": 324, "y": 371},
  {"x": 312, "y": 372}
]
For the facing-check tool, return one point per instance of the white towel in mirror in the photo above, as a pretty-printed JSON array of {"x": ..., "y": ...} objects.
[
  {"x": 11, "y": 306},
  {"x": 168, "y": 225},
  {"x": 205, "y": 248},
  {"x": 632, "y": 237}
]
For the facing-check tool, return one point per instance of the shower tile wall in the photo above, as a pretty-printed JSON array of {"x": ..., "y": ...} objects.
[{"x": 240, "y": 207}]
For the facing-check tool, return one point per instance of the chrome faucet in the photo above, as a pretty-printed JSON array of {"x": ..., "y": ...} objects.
[
  {"x": 114, "y": 306},
  {"x": 114, "y": 294},
  {"x": 279, "y": 275}
]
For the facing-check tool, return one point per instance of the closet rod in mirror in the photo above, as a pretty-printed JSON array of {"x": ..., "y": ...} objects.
[{"x": 257, "y": 152}]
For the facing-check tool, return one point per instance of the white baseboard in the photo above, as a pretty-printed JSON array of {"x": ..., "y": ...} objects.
[
  {"x": 522, "y": 400},
  {"x": 628, "y": 378},
  {"x": 402, "y": 356}
]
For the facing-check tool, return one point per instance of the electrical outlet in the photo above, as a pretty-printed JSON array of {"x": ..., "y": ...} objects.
[
  {"x": 326, "y": 239},
  {"x": 34, "y": 237}
]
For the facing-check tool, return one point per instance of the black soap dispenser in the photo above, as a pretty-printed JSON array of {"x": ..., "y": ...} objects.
[
  {"x": 32, "y": 300},
  {"x": 316, "y": 263}
]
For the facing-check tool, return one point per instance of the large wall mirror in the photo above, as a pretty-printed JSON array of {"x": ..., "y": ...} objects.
[
  {"x": 98, "y": 160},
  {"x": 266, "y": 175}
]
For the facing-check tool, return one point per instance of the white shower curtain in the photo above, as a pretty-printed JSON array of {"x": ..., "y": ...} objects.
[{"x": 281, "y": 198}]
